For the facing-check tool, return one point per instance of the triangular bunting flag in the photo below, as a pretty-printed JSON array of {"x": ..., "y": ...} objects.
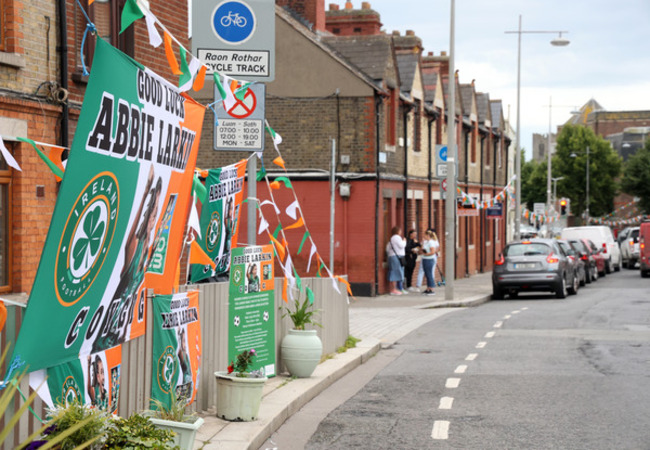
[
  {"x": 279, "y": 162},
  {"x": 199, "y": 80},
  {"x": 284, "y": 290},
  {"x": 55, "y": 170},
  {"x": 56, "y": 156},
  {"x": 304, "y": 238},
  {"x": 279, "y": 249},
  {"x": 194, "y": 223},
  {"x": 199, "y": 189},
  {"x": 189, "y": 71},
  {"x": 311, "y": 255},
  {"x": 285, "y": 180},
  {"x": 154, "y": 36},
  {"x": 241, "y": 92},
  {"x": 310, "y": 295},
  {"x": 274, "y": 185},
  {"x": 6, "y": 154},
  {"x": 264, "y": 225},
  {"x": 298, "y": 224},
  {"x": 130, "y": 14},
  {"x": 292, "y": 209},
  {"x": 171, "y": 58}
]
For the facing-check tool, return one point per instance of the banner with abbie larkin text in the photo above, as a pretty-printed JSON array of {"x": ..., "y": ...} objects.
[
  {"x": 219, "y": 220},
  {"x": 176, "y": 347},
  {"x": 134, "y": 146}
]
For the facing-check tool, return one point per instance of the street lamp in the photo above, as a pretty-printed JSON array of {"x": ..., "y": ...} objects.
[
  {"x": 575, "y": 155},
  {"x": 558, "y": 42}
]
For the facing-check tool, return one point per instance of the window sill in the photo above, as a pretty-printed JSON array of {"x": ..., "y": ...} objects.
[
  {"x": 12, "y": 60},
  {"x": 79, "y": 78}
]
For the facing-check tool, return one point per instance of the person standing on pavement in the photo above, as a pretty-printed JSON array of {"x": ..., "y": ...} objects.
[
  {"x": 421, "y": 268},
  {"x": 411, "y": 256},
  {"x": 394, "y": 249},
  {"x": 429, "y": 253}
]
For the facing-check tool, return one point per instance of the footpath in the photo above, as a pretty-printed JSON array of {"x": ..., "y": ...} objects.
[{"x": 379, "y": 322}]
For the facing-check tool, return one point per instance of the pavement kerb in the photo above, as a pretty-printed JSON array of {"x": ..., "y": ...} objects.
[
  {"x": 457, "y": 303},
  {"x": 282, "y": 398}
]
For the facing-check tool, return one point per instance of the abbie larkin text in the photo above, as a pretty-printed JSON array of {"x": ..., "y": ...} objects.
[{"x": 139, "y": 132}]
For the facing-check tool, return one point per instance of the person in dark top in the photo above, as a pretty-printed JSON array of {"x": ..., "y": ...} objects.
[{"x": 411, "y": 256}]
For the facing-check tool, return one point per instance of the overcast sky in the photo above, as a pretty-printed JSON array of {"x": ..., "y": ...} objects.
[{"x": 608, "y": 58}]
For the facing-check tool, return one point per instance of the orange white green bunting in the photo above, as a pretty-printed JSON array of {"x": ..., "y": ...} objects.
[
  {"x": 130, "y": 14},
  {"x": 171, "y": 58},
  {"x": 9, "y": 158}
]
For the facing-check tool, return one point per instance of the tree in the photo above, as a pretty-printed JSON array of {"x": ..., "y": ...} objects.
[
  {"x": 636, "y": 177},
  {"x": 533, "y": 183},
  {"x": 604, "y": 169}
]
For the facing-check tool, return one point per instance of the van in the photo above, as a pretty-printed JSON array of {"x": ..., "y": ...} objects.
[
  {"x": 603, "y": 237},
  {"x": 644, "y": 249}
]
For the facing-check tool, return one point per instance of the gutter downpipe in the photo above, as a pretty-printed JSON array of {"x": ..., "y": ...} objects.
[
  {"x": 63, "y": 37},
  {"x": 481, "y": 212},
  {"x": 377, "y": 191},
  {"x": 467, "y": 150},
  {"x": 429, "y": 190}
]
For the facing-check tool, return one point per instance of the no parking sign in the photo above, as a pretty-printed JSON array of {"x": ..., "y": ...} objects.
[{"x": 241, "y": 127}]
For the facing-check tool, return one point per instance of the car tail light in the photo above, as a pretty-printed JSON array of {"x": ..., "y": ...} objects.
[
  {"x": 584, "y": 257},
  {"x": 631, "y": 241},
  {"x": 552, "y": 259},
  {"x": 500, "y": 261},
  {"x": 604, "y": 247}
]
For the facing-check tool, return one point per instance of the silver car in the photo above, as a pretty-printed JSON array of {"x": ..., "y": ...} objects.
[
  {"x": 533, "y": 265},
  {"x": 630, "y": 247}
]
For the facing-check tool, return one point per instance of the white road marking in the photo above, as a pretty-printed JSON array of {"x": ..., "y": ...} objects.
[
  {"x": 490, "y": 334},
  {"x": 524, "y": 308},
  {"x": 497, "y": 324},
  {"x": 471, "y": 357},
  {"x": 461, "y": 369},
  {"x": 481, "y": 345},
  {"x": 452, "y": 383},
  {"x": 446, "y": 402},
  {"x": 440, "y": 429},
  {"x": 507, "y": 316},
  {"x": 516, "y": 312}
]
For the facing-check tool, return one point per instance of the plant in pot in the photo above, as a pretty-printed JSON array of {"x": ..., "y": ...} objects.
[
  {"x": 301, "y": 349},
  {"x": 239, "y": 392},
  {"x": 172, "y": 416}
]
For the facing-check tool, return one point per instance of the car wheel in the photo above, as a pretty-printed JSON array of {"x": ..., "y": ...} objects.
[
  {"x": 573, "y": 289},
  {"x": 595, "y": 274},
  {"x": 585, "y": 276},
  {"x": 608, "y": 266},
  {"x": 617, "y": 267},
  {"x": 497, "y": 293},
  {"x": 560, "y": 291},
  {"x": 625, "y": 264},
  {"x": 645, "y": 274},
  {"x": 513, "y": 294}
]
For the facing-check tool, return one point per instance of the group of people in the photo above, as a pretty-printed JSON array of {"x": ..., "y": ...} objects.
[{"x": 402, "y": 258}]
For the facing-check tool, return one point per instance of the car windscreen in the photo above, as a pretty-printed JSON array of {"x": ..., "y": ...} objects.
[
  {"x": 634, "y": 234},
  {"x": 578, "y": 245},
  {"x": 530, "y": 249}
]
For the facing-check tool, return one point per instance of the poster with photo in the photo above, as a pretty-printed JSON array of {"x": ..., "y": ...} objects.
[{"x": 252, "y": 306}]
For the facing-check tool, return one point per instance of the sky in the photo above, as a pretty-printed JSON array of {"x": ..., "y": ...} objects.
[{"x": 608, "y": 58}]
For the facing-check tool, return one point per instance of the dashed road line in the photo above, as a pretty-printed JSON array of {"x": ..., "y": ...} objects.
[
  {"x": 498, "y": 324},
  {"x": 490, "y": 334},
  {"x": 471, "y": 357},
  {"x": 481, "y": 344},
  {"x": 507, "y": 316},
  {"x": 461, "y": 369},
  {"x": 452, "y": 383},
  {"x": 440, "y": 429},
  {"x": 446, "y": 402}
]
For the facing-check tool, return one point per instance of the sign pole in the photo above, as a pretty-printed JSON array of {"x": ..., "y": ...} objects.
[{"x": 252, "y": 200}]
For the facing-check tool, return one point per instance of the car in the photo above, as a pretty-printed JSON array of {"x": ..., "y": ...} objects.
[
  {"x": 630, "y": 247},
  {"x": 533, "y": 265},
  {"x": 573, "y": 253},
  {"x": 644, "y": 249},
  {"x": 590, "y": 258},
  {"x": 603, "y": 237}
]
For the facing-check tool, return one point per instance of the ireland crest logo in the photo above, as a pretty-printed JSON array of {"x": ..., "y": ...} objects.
[
  {"x": 214, "y": 231},
  {"x": 70, "y": 392},
  {"x": 86, "y": 238},
  {"x": 166, "y": 369}
]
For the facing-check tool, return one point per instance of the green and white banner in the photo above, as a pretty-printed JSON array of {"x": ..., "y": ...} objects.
[
  {"x": 252, "y": 306},
  {"x": 176, "y": 347},
  {"x": 136, "y": 139},
  {"x": 219, "y": 220}
]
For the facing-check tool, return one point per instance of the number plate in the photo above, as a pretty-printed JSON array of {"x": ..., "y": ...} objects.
[{"x": 524, "y": 265}]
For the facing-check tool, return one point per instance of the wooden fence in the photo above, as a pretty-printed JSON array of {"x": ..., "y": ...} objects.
[{"x": 136, "y": 366}]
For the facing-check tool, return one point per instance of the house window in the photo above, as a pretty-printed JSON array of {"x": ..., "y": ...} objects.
[
  {"x": 418, "y": 126},
  {"x": 391, "y": 124},
  {"x": 497, "y": 152},
  {"x": 357, "y": 29},
  {"x": 106, "y": 15},
  {"x": 5, "y": 224}
]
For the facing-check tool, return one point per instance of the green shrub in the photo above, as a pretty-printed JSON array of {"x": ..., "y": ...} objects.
[{"x": 138, "y": 432}]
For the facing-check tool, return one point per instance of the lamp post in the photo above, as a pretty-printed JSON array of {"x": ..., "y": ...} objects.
[
  {"x": 574, "y": 155},
  {"x": 555, "y": 180},
  {"x": 558, "y": 42}
]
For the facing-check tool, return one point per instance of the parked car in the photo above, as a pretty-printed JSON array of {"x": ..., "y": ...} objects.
[
  {"x": 630, "y": 247},
  {"x": 533, "y": 265},
  {"x": 573, "y": 253},
  {"x": 603, "y": 237},
  {"x": 644, "y": 249},
  {"x": 590, "y": 258}
]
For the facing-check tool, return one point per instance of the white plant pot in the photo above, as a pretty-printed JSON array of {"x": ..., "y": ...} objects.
[
  {"x": 301, "y": 352},
  {"x": 185, "y": 431},
  {"x": 238, "y": 399}
]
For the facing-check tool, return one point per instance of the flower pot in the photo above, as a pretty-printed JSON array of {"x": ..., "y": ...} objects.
[
  {"x": 301, "y": 351},
  {"x": 185, "y": 431},
  {"x": 238, "y": 398}
]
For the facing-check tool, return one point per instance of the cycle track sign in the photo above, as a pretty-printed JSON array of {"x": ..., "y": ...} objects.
[{"x": 236, "y": 37}]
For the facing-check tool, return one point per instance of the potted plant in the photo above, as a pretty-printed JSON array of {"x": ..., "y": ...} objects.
[
  {"x": 138, "y": 431},
  {"x": 174, "y": 418},
  {"x": 301, "y": 349},
  {"x": 239, "y": 392}
]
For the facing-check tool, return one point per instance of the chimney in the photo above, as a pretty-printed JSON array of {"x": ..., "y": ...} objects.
[
  {"x": 348, "y": 5},
  {"x": 351, "y": 22},
  {"x": 365, "y": 5},
  {"x": 395, "y": 32},
  {"x": 430, "y": 54},
  {"x": 443, "y": 53},
  {"x": 313, "y": 11},
  {"x": 410, "y": 33},
  {"x": 334, "y": 7}
]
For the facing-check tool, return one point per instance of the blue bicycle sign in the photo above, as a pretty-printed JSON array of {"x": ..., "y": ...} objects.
[{"x": 233, "y": 21}]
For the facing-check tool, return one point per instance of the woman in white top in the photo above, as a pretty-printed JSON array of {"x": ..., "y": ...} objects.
[
  {"x": 394, "y": 249},
  {"x": 430, "y": 248}
]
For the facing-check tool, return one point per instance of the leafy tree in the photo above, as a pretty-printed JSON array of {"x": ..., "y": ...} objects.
[
  {"x": 636, "y": 178},
  {"x": 533, "y": 183},
  {"x": 604, "y": 169}
]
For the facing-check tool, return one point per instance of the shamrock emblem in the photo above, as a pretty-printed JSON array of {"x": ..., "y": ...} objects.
[
  {"x": 237, "y": 321},
  {"x": 88, "y": 243}
]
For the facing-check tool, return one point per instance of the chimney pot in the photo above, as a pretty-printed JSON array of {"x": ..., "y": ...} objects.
[
  {"x": 395, "y": 32},
  {"x": 348, "y": 5},
  {"x": 410, "y": 33},
  {"x": 443, "y": 53},
  {"x": 365, "y": 5},
  {"x": 334, "y": 7},
  {"x": 430, "y": 54}
]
